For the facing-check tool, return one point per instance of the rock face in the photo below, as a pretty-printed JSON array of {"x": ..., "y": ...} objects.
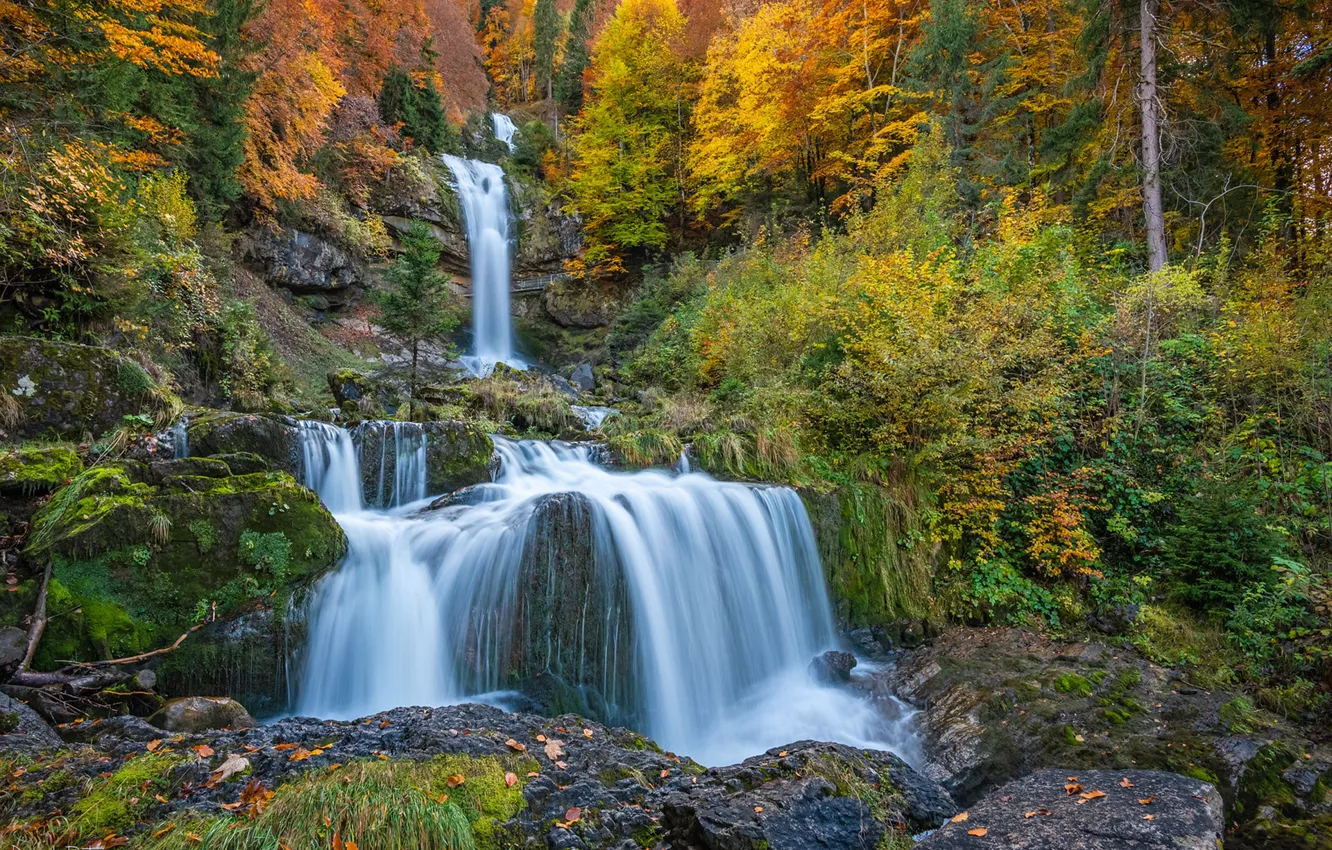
[
  {"x": 201, "y": 714},
  {"x": 572, "y": 783},
  {"x": 457, "y": 454},
  {"x": 1057, "y": 810},
  {"x": 303, "y": 263},
  {"x": 33, "y": 471},
  {"x": 69, "y": 392},
  {"x": 577, "y": 304},
  {"x": 141, "y": 552}
]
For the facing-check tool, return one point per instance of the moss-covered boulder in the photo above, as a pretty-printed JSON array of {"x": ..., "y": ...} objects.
[
  {"x": 140, "y": 553},
  {"x": 273, "y": 438},
  {"x": 61, "y": 391},
  {"x": 33, "y": 471}
]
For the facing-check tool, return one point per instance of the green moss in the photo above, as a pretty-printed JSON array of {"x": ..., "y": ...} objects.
[
  {"x": 1263, "y": 783},
  {"x": 205, "y": 535},
  {"x": 1072, "y": 683},
  {"x": 1241, "y": 716},
  {"x": 115, "y": 803},
  {"x": 484, "y": 797},
  {"x": 1200, "y": 772},
  {"x": 1070, "y": 736},
  {"x": 38, "y": 470}
]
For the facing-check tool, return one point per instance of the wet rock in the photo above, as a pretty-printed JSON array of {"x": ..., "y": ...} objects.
[
  {"x": 581, "y": 377},
  {"x": 13, "y": 646},
  {"x": 23, "y": 731},
  {"x": 1047, "y": 811},
  {"x": 200, "y": 714},
  {"x": 358, "y": 395},
  {"x": 832, "y": 667},
  {"x": 64, "y": 391}
]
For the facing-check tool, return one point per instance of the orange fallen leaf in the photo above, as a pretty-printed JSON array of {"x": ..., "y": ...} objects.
[
  {"x": 782, "y": 754},
  {"x": 159, "y": 798},
  {"x": 1072, "y": 788},
  {"x": 958, "y": 818},
  {"x": 665, "y": 773},
  {"x": 514, "y": 745},
  {"x": 758, "y": 810},
  {"x": 195, "y": 837},
  {"x": 282, "y": 748},
  {"x": 337, "y": 842},
  {"x": 1072, "y": 779},
  {"x": 455, "y": 780},
  {"x": 204, "y": 750},
  {"x": 1029, "y": 815},
  {"x": 979, "y": 832},
  {"x": 587, "y": 733},
  {"x": 1092, "y": 795},
  {"x": 383, "y": 725},
  {"x": 532, "y": 773},
  {"x": 334, "y": 766},
  {"x": 510, "y": 779},
  {"x": 153, "y": 744},
  {"x": 562, "y": 765},
  {"x": 1148, "y": 801},
  {"x": 300, "y": 755},
  {"x": 164, "y": 830},
  {"x": 1149, "y": 817},
  {"x": 541, "y": 739},
  {"x": 349, "y": 845},
  {"x": 1124, "y": 783},
  {"x": 573, "y": 815}
]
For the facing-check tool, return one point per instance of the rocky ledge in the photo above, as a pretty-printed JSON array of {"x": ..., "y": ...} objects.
[{"x": 515, "y": 780}]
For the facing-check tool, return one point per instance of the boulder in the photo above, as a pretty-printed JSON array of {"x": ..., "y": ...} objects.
[
  {"x": 832, "y": 667},
  {"x": 302, "y": 263},
  {"x": 192, "y": 715},
  {"x": 274, "y": 439},
  {"x": 23, "y": 731},
  {"x": 34, "y": 471},
  {"x": 1089, "y": 810},
  {"x": 62, "y": 391},
  {"x": 140, "y": 553},
  {"x": 13, "y": 646},
  {"x": 581, "y": 377}
]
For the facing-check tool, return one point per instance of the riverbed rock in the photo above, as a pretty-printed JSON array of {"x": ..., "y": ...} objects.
[
  {"x": 200, "y": 714},
  {"x": 1089, "y": 810},
  {"x": 457, "y": 454},
  {"x": 832, "y": 666},
  {"x": 63, "y": 391},
  {"x": 273, "y": 438},
  {"x": 521, "y": 781}
]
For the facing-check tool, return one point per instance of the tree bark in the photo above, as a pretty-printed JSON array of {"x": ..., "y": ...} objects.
[
  {"x": 39, "y": 619},
  {"x": 1151, "y": 136}
]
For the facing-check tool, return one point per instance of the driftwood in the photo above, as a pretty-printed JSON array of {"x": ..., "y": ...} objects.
[{"x": 83, "y": 676}]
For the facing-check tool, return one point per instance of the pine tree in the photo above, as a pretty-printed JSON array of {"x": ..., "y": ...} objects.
[
  {"x": 418, "y": 108},
  {"x": 547, "y": 24},
  {"x": 417, "y": 306},
  {"x": 569, "y": 84}
]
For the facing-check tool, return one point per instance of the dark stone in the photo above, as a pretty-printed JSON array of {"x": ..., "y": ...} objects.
[
  {"x": 271, "y": 438},
  {"x": 13, "y": 646},
  {"x": 23, "y": 731},
  {"x": 244, "y": 463},
  {"x": 162, "y": 471},
  {"x": 581, "y": 377},
  {"x": 458, "y": 454},
  {"x": 302, "y": 262},
  {"x": 1185, "y": 814},
  {"x": 832, "y": 667},
  {"x": 200, "y": 714}
]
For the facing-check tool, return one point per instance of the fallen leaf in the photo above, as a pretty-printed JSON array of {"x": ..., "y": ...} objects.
[
  {"x": 665, "y": 773},
  {"x": 204, "y": 751},
  {"x": 782, "y": 754},
  {"x": 554, "y": 749},
  {"x": 455, "y": 780},
  {"x": 587, "y": 733},
  {"x": 233, "y": 765},
  {"x": 758, "y": 810},
  {"x": 541, "y": 739},
  {"x": 231, "y": 807},
  {"x": 107, "y": 841},
  {"x": 1124, "y": 783},
  {"x": 958, "y": 818},
  {"x": 164, "y": 830},
  {"x": 1072, "y": 779},
  {"x": 337, "y": 842},
  {"x": 573, "y": 815},
  {"x": 1045, "y": 812},
  {"x": 195, "y": 837},
  {"x": 532, "y": 773},
  {"x": 383, "y": 725},
  {"x": 300, "y": 755},
  {"x": 350, "y": 845},
  {"x": 1148, "y": 801},
  {"x": 159, "y": 798},
  {"x": 1029, "y": 815},
  {"x": 334, "y": 766},
  {"x": 979, "y": 832},
  {"x": 1092, "y": 795},
  {"x": 562, "y": 765},
  {"x": 514, "y": 745},
  {"x": 153, "y": 744},
  {"x": 510, "y": 779},
  {"x": 1072, "y": 788},
  {"x": 1149, "y": 817},
  {"x": 282, "y": 748}
]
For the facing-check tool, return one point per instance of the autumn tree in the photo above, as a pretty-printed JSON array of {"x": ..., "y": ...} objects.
[{"x": 628, "y": 165}]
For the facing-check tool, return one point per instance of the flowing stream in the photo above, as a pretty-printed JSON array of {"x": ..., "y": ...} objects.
[
  {"x": 485, "y": 209},
  {"x": 695, "y": 615}
]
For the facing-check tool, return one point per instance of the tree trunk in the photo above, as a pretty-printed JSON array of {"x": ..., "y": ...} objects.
[
  {"x": 1151, "y": 136},
  {"x": 39, "y": 619}
]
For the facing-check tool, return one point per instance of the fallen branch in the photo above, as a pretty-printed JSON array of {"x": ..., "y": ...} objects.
[
  {"x": 133, "y": 659},
  {"x": 38, "y": 622}
]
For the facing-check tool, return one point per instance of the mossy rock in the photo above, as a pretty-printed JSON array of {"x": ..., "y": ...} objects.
[
  {"x": 272, "y": 438},
  {"x": 33, "y": 471},
  {"x": 70, "y": 392},
  {"x": 458, "y": 454},
  {"x": 136, "y": 563}
]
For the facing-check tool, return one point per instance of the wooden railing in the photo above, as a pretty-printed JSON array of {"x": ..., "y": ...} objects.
[{"x": 534, "y": 284}]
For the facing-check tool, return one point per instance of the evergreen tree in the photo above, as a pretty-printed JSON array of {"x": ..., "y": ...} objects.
[
  {"x": 417, "y": 306},
  {"x": 569, "y": 83},
  {"x": 547, "y": 25},
  {"x": 418, "y": 108}
]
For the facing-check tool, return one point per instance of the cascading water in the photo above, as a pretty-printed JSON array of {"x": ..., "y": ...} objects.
[
  {"x": 485, "y": 207},
  {"x": 693, "y": 610},
  {"x": 504, "y": 128}
]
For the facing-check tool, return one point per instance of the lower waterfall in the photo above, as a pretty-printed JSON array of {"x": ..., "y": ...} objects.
[{"x": 681, "y": 606}]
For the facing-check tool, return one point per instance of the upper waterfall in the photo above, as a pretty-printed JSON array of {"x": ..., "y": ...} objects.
[
  {"x": 485, "y": 208},
  {"x": 504, "y": 128},
  {"x": 686, "y": 607}
]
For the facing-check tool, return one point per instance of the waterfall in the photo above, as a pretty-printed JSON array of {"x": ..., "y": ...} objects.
[
  {"x": 504, "y": 129},
  {"x": 485, "y": 209},
  {"x": 180, "y": 438},
  {"x": 692, "y": 609}
]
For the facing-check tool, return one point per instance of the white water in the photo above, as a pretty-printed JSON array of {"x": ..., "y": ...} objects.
[
  {"x": 504, "y": 128},
  {"x": 485, "y": 208},
  {"x": 722, "y": 584},
  {"x": 590, "y": 416},
  {"x": 180, "y": 437}
]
